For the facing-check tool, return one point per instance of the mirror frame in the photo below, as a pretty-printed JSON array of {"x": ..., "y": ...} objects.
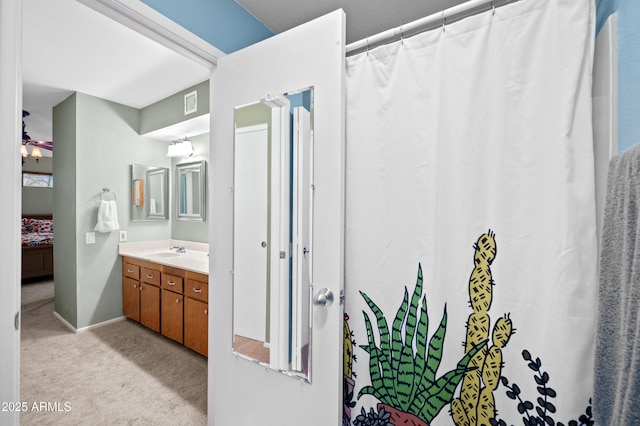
[
  {"x": 140, "y": 181},
  {"x": 201, "y": 166}
]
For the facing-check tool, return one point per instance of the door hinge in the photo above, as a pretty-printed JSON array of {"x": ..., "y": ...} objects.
[
  {"x": 342, "y": 297},
  {"x": 16, "y": 321}
]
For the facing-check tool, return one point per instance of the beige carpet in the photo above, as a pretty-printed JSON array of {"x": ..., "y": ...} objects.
[{"x": 119, "y": 374}]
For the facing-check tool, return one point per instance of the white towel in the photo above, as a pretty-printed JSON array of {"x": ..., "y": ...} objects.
[
  {"x": 107, "y": 216},
  {"x": 152, "y": 206}
]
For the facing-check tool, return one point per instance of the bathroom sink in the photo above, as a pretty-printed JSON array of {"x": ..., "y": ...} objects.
[{"x": 166, "y": 254}]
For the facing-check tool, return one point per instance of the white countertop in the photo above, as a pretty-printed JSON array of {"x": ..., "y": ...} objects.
[{"x": 196, "y": 257}]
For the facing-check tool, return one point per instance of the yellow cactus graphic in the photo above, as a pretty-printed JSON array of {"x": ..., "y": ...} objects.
[
  {"x": 476, "y": 404},
  {"x": 347, "y": 356}
]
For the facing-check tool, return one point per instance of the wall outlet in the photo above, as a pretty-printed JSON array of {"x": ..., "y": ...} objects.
[
  {"x": 123, "y": 236},
  {"x": 91, "y": 237}
]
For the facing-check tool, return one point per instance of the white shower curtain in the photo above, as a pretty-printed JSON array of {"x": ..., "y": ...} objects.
[{"x": 469, "y": 156}]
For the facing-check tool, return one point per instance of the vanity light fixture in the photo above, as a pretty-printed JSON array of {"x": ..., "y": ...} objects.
[{"x": 180, "y": 148}]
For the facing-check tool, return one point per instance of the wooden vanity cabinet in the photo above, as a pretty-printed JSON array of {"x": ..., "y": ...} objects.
[
  {"x": 172, "y": 303},
  {"x": 150, "y": 306},
  {"x": 196, "y": 325},
  {"x": 145, "y": 306},
  {"x": 172, "y": 312},
  {"x": 131, "y": 298},
  {"x": 196, "y": 312},
  {"x": 168, "y": 300}
]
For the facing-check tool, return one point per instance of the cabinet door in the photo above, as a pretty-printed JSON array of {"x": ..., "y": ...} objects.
[
  {"x": 171, "y": 313},
  {"x": 196, "y": 326},
  {"x": 150, "y": 306},
  {"x": 131, "y": 298}
]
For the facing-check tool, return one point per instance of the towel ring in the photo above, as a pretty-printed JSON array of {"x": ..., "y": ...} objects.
[{"x": 107, "y": 195}]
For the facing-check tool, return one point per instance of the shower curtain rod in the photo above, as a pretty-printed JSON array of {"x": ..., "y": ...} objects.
[{"x": 457, "y": 12}]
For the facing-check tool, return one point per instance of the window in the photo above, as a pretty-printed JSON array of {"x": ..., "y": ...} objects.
[{"x": 37, "y": 180}]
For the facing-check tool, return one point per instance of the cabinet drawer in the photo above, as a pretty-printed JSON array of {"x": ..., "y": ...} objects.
[
  {"x": 150, "y": 276},
  {"x": 130, "y": 270},
  {"x": 197, "y": 290},
  {"x": 172, "y": 282}
]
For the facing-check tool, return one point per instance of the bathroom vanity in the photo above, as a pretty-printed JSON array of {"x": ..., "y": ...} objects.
[{"x": 167, "y": 290}]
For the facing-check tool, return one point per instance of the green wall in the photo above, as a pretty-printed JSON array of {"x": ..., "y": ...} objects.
[
  {"x": 64, "y": 209},
  {"x": 170, "y": 111},
  {"x": 96, "y": 141}
]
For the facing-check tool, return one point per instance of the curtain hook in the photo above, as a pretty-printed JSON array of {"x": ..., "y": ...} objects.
[
  {"x": 444, "y": 21},
  {"x": 401, "y": 36},
  {"x": 493, "y": 8},
  {"x": 367, "y": 46}
]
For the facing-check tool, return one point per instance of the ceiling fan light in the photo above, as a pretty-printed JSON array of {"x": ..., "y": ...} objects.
[{"x": 35, "y": 152}]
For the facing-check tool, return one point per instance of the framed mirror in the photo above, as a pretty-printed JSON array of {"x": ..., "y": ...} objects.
[
  {"x": 272, "y": 254},
  {"x": 191, "y": 191},
  {"x": 149, "y": 193}
]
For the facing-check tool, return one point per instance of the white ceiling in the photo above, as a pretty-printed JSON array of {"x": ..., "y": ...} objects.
[{"x": 69, "y": 47}]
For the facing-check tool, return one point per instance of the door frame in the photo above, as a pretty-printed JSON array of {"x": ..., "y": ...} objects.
[
  {"x": 134, "y": 15},
  {"x": 10, "y": 191}
]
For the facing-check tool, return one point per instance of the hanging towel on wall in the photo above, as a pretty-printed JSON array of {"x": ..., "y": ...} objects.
[
  {"x": 617, "y": 353},
  {"x": 107, "y": 216}
]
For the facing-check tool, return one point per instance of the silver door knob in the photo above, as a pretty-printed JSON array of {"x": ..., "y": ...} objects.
[{"x": 324, "y": 297}]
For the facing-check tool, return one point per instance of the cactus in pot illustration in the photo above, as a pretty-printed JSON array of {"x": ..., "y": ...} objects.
[
  {"x": 476, "y": 403},
  {"x": 405, "y": 379},
  {"x": 348, "y": 379}
]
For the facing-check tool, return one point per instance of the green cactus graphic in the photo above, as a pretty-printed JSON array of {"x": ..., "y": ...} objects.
[{"x": 402, "y": 378}]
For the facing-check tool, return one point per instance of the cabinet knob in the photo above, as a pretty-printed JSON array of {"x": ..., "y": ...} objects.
[
  {"x": 129, "y": 270},
  {"x": 135, "y": 286},
  {"x": 149, "y": 276},
  {"x": 170, "y": 283},
  {"x": 177, "y": 300},
  {"x": 197, "y": 290},
  {"x": 206, "y": 311}
]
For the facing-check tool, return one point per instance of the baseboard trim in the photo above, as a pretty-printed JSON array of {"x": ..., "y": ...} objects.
[{"x": 87, "y": 328}]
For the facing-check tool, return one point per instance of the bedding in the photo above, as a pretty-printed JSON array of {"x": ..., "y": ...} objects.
[
  {"x": 37, "y": 246},
  {"x": 37, "y": 232}
]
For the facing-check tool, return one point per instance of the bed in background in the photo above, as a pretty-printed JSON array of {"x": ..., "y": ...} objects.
[{"x": 37, "y": 245}]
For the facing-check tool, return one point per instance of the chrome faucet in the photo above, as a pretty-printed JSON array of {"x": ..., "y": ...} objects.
[{"x": 179, "y": 249}]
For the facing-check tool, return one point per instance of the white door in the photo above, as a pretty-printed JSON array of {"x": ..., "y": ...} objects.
[
  {"x": 243, "y": 392},
  {"x": 10, "y": 106},
  {"x": 250, "y": 195}
]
